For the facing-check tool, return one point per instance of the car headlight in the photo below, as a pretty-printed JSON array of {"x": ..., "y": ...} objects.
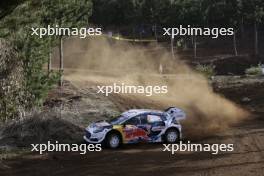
[{"x": 98, "y": 130}]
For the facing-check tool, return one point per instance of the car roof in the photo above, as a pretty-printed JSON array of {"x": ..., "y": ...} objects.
[{"x": 135, "y": 112}]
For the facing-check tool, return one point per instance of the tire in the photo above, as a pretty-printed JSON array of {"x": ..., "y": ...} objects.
[
  {"x": 171, "y": 136},
  {"x": 113, "y": 140}
]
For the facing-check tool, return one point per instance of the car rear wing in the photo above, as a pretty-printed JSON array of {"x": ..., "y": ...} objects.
[{"x": 176, "y": 113}]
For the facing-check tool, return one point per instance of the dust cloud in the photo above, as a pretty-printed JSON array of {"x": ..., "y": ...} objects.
[{"x": 102, "y": 61}]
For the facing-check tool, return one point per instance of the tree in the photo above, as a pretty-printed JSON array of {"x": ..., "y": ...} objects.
[
  {"x": 254, "y": 11},
  {"x": 191, "y": 14},
  {"x": 113, "y": 12},
  {"x": 232, "y": 12},
  {"x": 11, "y": 77},
  {"x": 34, "y": 51}
]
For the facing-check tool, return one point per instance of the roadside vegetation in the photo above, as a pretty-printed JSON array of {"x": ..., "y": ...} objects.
[
  {"x": 255, "y": 70},
  {"x": 206, "y": 70}
]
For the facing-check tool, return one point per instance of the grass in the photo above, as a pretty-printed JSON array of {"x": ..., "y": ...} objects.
[{"x": 206, "y": 70}]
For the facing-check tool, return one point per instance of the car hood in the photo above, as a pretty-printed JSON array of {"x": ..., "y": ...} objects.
[{"x": 99, "y": 124}]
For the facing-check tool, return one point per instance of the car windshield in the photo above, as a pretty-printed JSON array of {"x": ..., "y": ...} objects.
[{"x": 118, "y": 120}]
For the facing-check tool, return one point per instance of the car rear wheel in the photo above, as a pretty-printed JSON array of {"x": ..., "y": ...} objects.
[
  {"x": 171, "y": 136},
  {"x": 113, "y": 140}
]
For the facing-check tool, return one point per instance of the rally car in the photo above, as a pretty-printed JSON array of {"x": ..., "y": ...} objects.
[{"x": 137, "y": 125}]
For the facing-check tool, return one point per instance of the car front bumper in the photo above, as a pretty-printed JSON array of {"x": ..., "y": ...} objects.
[
  {"x": 94, "y": 137},
  {"x": 91, "y": 141}
]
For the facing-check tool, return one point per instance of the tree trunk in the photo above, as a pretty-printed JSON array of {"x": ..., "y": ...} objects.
[
  {"x": 172, "y": 47},
  {"x": 242, "y": 29},
  {"x": 156, "y": 35},
  {"x": 195, "y": 47},
  {"x": 235, "y": 44},
  {"x": 61, "y": 61},
  {"x": 255, "y": 38},
  {"x": 49, "y": 62},
  {"x": 134, "y": 35}
]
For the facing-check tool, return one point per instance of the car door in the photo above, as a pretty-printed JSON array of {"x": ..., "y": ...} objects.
[
  {"x": 133, "y": 132},
  {"x": 156, "y": 124}
]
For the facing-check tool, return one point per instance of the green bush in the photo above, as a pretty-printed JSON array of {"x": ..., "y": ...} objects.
[
  {"x": 207, "y": 70},
  {"x": 254, "y": 70}
]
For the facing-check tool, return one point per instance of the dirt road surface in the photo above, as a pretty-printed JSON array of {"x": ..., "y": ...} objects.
[{"x": 148, "y": 159}]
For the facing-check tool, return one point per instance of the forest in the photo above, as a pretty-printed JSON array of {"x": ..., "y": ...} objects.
[{"x": 17, "y": 16}]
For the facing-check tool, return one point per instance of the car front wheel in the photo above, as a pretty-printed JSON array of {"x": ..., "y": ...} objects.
[
  {"x": 113, "y": 140},
  {"x": 171, "y": 136}
]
